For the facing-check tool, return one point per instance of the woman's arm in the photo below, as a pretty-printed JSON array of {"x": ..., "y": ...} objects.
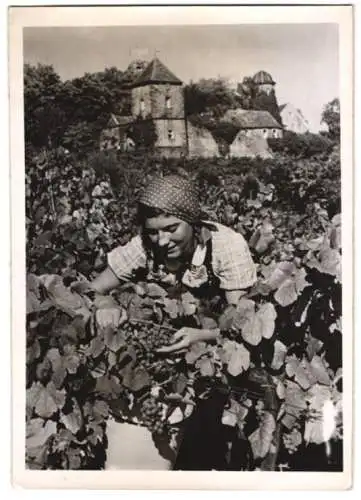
[
  {"x": 105, "y": 282},
  {"x": 187, "y": 336}
]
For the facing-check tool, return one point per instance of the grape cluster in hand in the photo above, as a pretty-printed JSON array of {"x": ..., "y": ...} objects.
[
  {"x": 157, "y": 338},
  {"x": 145, "y": 340}
]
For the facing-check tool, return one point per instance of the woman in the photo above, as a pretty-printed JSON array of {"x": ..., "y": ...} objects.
[{"x": 175, "y": 247}]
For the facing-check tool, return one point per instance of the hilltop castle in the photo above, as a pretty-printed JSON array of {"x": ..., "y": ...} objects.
[{"x": 157, "y": 95}]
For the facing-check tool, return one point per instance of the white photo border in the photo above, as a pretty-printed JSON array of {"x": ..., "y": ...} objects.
[{"x": 20, "y": 17}]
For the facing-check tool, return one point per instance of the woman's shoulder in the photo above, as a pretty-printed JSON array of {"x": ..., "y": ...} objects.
[
  {"x": 231, "y": 258},
  {"x": 222, "y": 235},
  {"x": 124, "y": 259}
]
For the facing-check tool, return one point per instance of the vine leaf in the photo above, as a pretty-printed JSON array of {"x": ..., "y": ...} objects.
[
  {"x": 226, "y": 319},
  {"x": 252, "y": 331},
  {"x": 267, "y": 315},
  {"x": 286, "y": 294},
  {"x": 96, "y": 347},
  {"x": 45, "y": 400},
  {"x": 206, "y": 367},
  {"x": 96, "y": 433},
  {"x": 114, "y": 340},
  {"x": 189, "y": 304},
  {"x": 280, "y": 390},
  {"x": 196, "y": 351},
  {"x": 288, "y": 420},
  {"x": 153, "y": 290},
  {"x": 235, "y": 414},
  {"x": 319, "y": 370},
  {"x": 262, "y": 238},
  {"x": 33, "y": 351},
  {"x": 180, "y": 383},
  {"x": 239, "y": 360},
  {"x": 330, "y": 262},
  {"x": 261, "y": 438},
  {"x": 267, "y": 271},
  {"x": 58, "y": 377},
  {"x": 176, "y": 416},
  {"x": 280, "y": 274},
  {"x": 108, "y": 385},
  {"x": 300, "y": 280},
  {"x": 135, "y": 378},
  {"x": 171, "y": 307},
  {"x": 295, "y": 400},
  {"x": 279, "y": 355},
  {"x": 73, "y": 421},
  {"x": 304, "y": 375},
  {"x": 292, "y": 363},
  {"x": 244, "y": 317},
  {"x": 55, "y": 358},
  {"x": 38, "y": 432},
  {"x": 69, "y": 302},
  {"x": 321, "y": 422},
  {"x": 71, "y": 363},
  {"x": 208, "y": 323},
  {"x": 313, "y": 346},
  {"x": 100, "y": 409}
]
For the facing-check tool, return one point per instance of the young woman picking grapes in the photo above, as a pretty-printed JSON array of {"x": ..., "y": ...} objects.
[{"x": 174, "y": 246}]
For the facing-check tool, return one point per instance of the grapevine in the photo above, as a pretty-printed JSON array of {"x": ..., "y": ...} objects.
[{"x": 277, "y": 360}]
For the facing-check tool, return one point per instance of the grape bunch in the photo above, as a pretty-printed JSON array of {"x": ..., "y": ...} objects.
[
  {"x": 151, "y": 413},
  {"x": 158, "y": 337},
  {"x": 145, "y": 339},
  {"x": 150, "y": 336},
  {"x": 292, "y": 440}
]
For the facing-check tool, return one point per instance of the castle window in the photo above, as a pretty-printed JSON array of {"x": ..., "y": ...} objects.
[
  {"x": 142, "y": 105},
  {"x": 171, "y": 135},
  {"x": 264, "y": 132},
  {"x": 168, "y": 102}
]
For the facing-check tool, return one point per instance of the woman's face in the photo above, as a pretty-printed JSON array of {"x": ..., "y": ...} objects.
[{"x": 169, "y": 234}]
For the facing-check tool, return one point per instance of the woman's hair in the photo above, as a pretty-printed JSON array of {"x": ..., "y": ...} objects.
[{"x": 145, "y": 212}]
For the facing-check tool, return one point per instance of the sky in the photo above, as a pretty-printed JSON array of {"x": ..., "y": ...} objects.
[{"x": 302, "y": 58}]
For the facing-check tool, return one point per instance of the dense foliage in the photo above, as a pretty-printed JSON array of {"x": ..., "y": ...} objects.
[
  {"x": 278, "y": 360},
  {"x": 331, "y": 118},
  {"x": 305, "y": 145}
]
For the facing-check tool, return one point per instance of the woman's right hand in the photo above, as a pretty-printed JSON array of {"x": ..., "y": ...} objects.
[{"x": 110, "y": 317}]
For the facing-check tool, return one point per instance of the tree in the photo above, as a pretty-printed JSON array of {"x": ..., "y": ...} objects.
[
  {"x": 331, "y": 118},
  {"x": 263, "y": 101},
  {"x": 247, "y": 92},
  {"x": 301, "y": 145},
  {"x": 209, "y": 95},
  {"x": 45, "y": 119}
]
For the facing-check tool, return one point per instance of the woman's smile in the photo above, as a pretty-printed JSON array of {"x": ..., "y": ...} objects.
[{"x": 170, "y": 235}]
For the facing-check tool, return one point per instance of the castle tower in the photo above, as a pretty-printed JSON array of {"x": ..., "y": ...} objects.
[
  {"x": 157, "y": 94},
  {"x": 264, "y": 82}
]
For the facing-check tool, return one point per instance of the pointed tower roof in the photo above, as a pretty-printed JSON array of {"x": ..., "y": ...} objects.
[
  {"x": 263, "y": 77},
  {"x": 156, "y": 72}
]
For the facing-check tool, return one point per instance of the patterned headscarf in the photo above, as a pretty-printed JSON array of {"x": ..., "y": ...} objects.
[{"x": 175, "y": 196}]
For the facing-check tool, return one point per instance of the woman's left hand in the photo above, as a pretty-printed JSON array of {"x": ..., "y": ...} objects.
[{"x": 187, "y": 336}]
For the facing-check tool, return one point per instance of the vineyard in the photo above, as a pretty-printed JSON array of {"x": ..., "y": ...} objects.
[{"x": 277, "y": 364}]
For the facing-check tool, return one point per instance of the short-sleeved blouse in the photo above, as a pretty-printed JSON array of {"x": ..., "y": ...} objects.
[{"x": 231, "y": 259}]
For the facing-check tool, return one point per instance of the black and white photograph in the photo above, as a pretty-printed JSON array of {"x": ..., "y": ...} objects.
[{"x": 184, "y": 229}]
